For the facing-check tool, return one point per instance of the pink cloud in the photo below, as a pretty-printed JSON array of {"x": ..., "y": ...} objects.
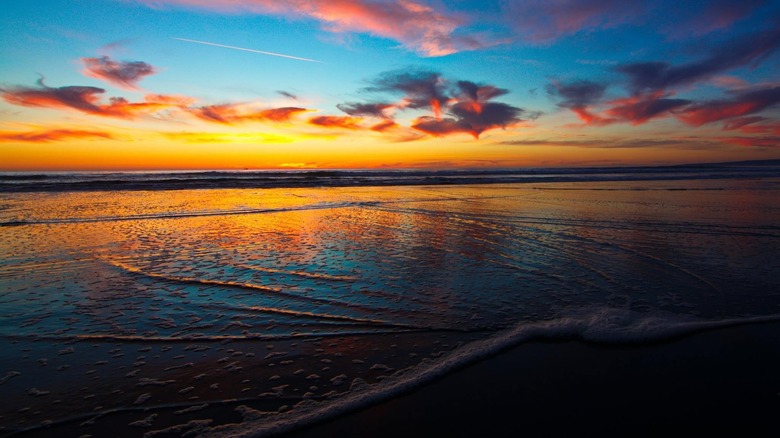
[
  {"x": 418, "y": 27},
  {"x": 763, "y": 142},
  {"x": 740, "y": 105}
]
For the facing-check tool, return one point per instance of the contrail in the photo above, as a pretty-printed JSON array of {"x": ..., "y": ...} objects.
[{"x": 248, "y": 50}]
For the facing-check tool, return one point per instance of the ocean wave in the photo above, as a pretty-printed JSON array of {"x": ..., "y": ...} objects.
[
  {"x": 102, "y": 181},
  {"x": 599, "y": 325}
]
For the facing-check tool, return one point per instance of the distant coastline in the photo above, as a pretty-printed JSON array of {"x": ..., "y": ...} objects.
[{"x": 181, "y": 180}]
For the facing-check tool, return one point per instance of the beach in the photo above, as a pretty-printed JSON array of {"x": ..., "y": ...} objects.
[
  {"x": 718, "y": 381},
  {"x": 613, "y": 306}
]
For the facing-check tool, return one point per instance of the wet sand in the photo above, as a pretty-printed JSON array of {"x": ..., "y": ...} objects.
[{"x": 722, "y": 380}]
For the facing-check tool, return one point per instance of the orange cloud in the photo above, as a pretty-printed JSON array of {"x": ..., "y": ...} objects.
[
  {"x": 237, "y": 113},
  {"x": 87, "y": 100},
  {"x": 51, "y": 135},
  {"x": 384, "y": 126},
  {"x": 345, "y": 122}
]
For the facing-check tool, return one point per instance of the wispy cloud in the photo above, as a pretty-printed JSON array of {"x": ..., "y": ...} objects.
[
  {"x": 239, "y": 113},
  {"x": 243, "y": 49},
  {"x": 42, "y": 136},
  {"x": 343, "y": 122},
  {"x": 748, "y": 50},
  {"x": 692, "y": 143},
  {"x": 544, "y": 21},
  {"x": 741, "y": 104}
]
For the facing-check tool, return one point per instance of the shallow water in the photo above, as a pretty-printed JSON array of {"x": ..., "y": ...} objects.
[{"x": 161, "y": 308}]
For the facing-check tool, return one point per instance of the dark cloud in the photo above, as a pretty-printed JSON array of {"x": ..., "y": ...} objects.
[
  {"x": 366, "y": 109},
  {"x": 124, "y": 74},
  {"x": 472, "y": 112},
  {"x": 748, "y": 50},
  {"x": 51, "y": 135},
  {"x": 79, "y": 97},
  {"x": 421, "y": 89},
  {"x": 439, "y": 127},
  {"x": 287, "y": 94},
  {"x": 547, "y": 20},
  {"x": 641, "y": 108},
  {"x": 742, "y": 104},
  {"x": 336, "y": 122},
  {"x": 467, "y": 105},
  {"x": 544, "y": 21},
  {"x": 479, "y": 93},
  {"x": 576, "y": 94},
  {"x": 710, "y": 15}
]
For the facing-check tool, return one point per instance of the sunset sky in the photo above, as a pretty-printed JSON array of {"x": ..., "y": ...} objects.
[{"x": 262, "y": 84}]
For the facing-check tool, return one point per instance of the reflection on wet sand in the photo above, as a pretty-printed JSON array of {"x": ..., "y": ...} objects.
[{"x": 194, "y": 308}]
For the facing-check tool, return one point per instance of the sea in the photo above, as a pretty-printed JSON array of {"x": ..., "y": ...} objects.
[{"x": 253, "y": 303}]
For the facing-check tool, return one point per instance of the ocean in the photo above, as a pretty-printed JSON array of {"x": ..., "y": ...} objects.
[{"x": 253, "y": 303}]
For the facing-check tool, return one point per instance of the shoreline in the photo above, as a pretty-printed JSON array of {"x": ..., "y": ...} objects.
[{"x": 722, "y": 379}]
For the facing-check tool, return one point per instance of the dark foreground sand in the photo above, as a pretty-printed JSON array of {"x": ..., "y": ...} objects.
[{"x": 725, "y": 380}]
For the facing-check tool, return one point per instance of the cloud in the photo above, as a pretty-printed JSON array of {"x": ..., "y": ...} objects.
[
  {"x": 763, "y": 142},
  {"x": 741, "y": 123},
  {"x": 617, "y": 143},
  {"x": 52, "y": 135},
  {"x": 711, "y": 15},
  {"x": 467, "y": 105},
  {"x": 753, "y": 125},
  {"x": 384, "y": 126},
  {"x": 578, "y": 96},
  {"x": 742, "y": 104},
  {"x": 542, "y": 21},
  {"x": 366, "y": 109},
  {"x": 226, "y": 137},
  {"x": 123, "y": 74},
  {"x": 421, "y": 89},
  {"x": 336, "y": 122},
  {"x": 417, "y": 26},
  {"x": 473, "y": 112},
  {"x": 87, "y": 100},
  {"x": 239, "y": 113},
  {"x": 287, "y": 94},
  {"x": 748, "y": 50},
  {"x": 641, "y": 108}
]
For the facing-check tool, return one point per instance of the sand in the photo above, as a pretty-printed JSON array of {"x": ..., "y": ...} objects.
[{"x": 722, "y": 380}]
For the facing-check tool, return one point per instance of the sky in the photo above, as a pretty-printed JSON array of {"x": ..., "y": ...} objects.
[{"x": 338, "y": 84}]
